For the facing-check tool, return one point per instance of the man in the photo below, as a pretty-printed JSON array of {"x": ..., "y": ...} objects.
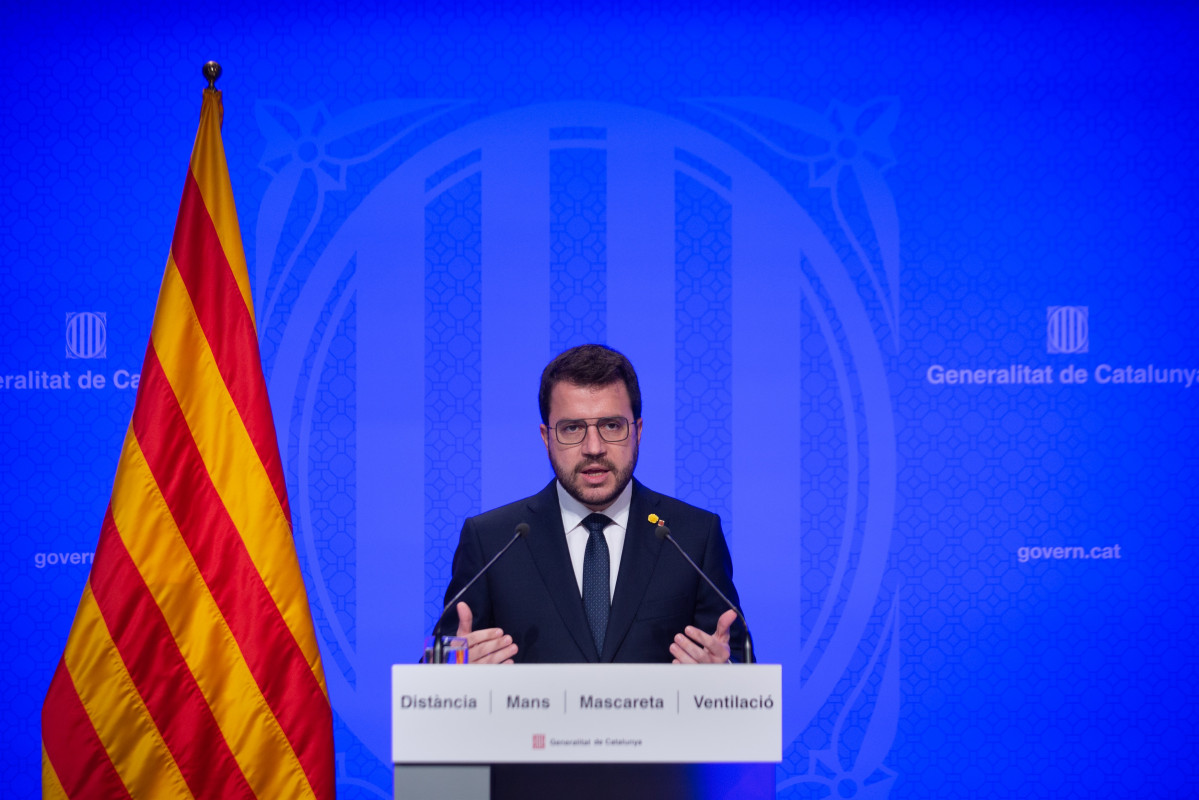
[{"x": 591, "y": 582}]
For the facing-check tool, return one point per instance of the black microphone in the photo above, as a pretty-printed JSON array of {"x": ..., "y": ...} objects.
[
  {"x": 663, "y": 532},
  {"x": 522, "y": 530}
]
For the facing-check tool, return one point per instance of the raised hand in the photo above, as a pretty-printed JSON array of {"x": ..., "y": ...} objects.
[
  {"x": 490, "y": 645},
  {"x": 693, "y": 646}
]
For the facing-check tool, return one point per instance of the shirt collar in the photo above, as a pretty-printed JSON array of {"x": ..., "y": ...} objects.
[{"x": 573, "y": 511}]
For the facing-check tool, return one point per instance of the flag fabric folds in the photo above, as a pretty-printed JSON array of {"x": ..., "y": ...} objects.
[{"x": 192, "y": 669}]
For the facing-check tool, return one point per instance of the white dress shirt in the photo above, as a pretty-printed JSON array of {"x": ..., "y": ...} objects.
[{"x": 573, "y": 513}]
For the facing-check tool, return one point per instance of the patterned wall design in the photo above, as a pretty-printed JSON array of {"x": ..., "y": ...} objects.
[
  {"x": 820, "y": 204},
  {"x": 703, "y": 352},
  {"x": 578, "y": 241},
  {"x": 453, "y": 315},
  {"x": 321, "y": 465}
]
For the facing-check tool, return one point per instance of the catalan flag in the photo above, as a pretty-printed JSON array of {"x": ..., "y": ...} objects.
[{"x": 192, "y": 669}]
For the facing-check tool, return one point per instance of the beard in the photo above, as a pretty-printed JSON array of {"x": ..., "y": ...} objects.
[{"x": 572, "y": 481}]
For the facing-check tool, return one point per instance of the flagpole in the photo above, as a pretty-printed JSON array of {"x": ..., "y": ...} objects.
[{"x": 211, "y": 71}]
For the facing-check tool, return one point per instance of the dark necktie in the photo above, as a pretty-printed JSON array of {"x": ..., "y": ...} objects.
[{"x": 595, "y": 578}]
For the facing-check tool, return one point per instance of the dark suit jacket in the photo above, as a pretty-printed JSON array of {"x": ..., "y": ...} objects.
[{"x": 531, "y": 591}]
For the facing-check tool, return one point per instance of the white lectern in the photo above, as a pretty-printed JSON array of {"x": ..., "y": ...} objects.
[{"x": 451, "y": 722}]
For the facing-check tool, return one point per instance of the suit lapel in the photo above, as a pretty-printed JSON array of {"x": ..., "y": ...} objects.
[
  {"x": 637, "y": 562},
  {"x": 547, "y": 543}
]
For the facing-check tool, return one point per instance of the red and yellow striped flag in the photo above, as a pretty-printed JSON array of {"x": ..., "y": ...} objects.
[{"x": 192, "y": 668}]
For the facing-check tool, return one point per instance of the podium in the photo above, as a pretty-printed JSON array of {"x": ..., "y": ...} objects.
[{"x": 450, "y": 723}]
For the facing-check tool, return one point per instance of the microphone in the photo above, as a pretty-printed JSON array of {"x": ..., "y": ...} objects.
[
  {"x": 663, "y": 532},
  {"x": 522, "y": 530}
]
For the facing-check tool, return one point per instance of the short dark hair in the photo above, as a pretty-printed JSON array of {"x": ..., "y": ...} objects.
[{"x": 589, "y": 365}]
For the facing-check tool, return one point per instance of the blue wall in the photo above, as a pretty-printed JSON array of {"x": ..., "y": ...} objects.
[{"x": 797, "y": 223}]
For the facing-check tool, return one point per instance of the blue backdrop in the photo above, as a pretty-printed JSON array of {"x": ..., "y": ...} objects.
[{"x": 912, "y": 292}]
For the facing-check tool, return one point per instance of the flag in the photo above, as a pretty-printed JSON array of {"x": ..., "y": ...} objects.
[{"x": 191, "y": 668}]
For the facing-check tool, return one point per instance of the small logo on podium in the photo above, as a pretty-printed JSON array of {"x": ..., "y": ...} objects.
[{"x": 539, "y": 741}]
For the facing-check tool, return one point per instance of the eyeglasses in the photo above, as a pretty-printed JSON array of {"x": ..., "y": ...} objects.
[{"x": 574, "y": 431}]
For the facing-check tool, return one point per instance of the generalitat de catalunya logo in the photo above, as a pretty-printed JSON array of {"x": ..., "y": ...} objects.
[
  {"x": 87, "y": 334},
  {"x": 1068, "y": 330}
]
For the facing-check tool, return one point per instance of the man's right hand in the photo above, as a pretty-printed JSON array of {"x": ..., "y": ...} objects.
[{"x": 488, "y": 646}]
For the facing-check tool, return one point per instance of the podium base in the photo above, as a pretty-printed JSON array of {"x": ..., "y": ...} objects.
[
  {"x": 596, "y": 781},
  {"x": 441, "y": 781},
  {"x": 585, "y": 781}
]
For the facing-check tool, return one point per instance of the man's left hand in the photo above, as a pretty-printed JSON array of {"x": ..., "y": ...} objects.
[{"x": 693, "y": 646}]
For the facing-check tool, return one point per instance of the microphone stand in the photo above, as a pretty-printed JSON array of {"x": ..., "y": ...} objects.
[
  {"x": 663, "y": 532},
  {"x": 521, "y": 531}
]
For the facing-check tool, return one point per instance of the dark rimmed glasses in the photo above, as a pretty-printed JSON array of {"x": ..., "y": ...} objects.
[{"x": 574, "y": 431}]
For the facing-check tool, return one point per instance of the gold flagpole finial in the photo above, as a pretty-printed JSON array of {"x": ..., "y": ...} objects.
[{"x": 212, "y": 71}]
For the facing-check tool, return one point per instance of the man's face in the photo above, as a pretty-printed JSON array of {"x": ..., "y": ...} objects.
[{"x": 593, "y": 471}]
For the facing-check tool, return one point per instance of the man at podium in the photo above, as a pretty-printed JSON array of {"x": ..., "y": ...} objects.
[{"x": 590, "y": 581}]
